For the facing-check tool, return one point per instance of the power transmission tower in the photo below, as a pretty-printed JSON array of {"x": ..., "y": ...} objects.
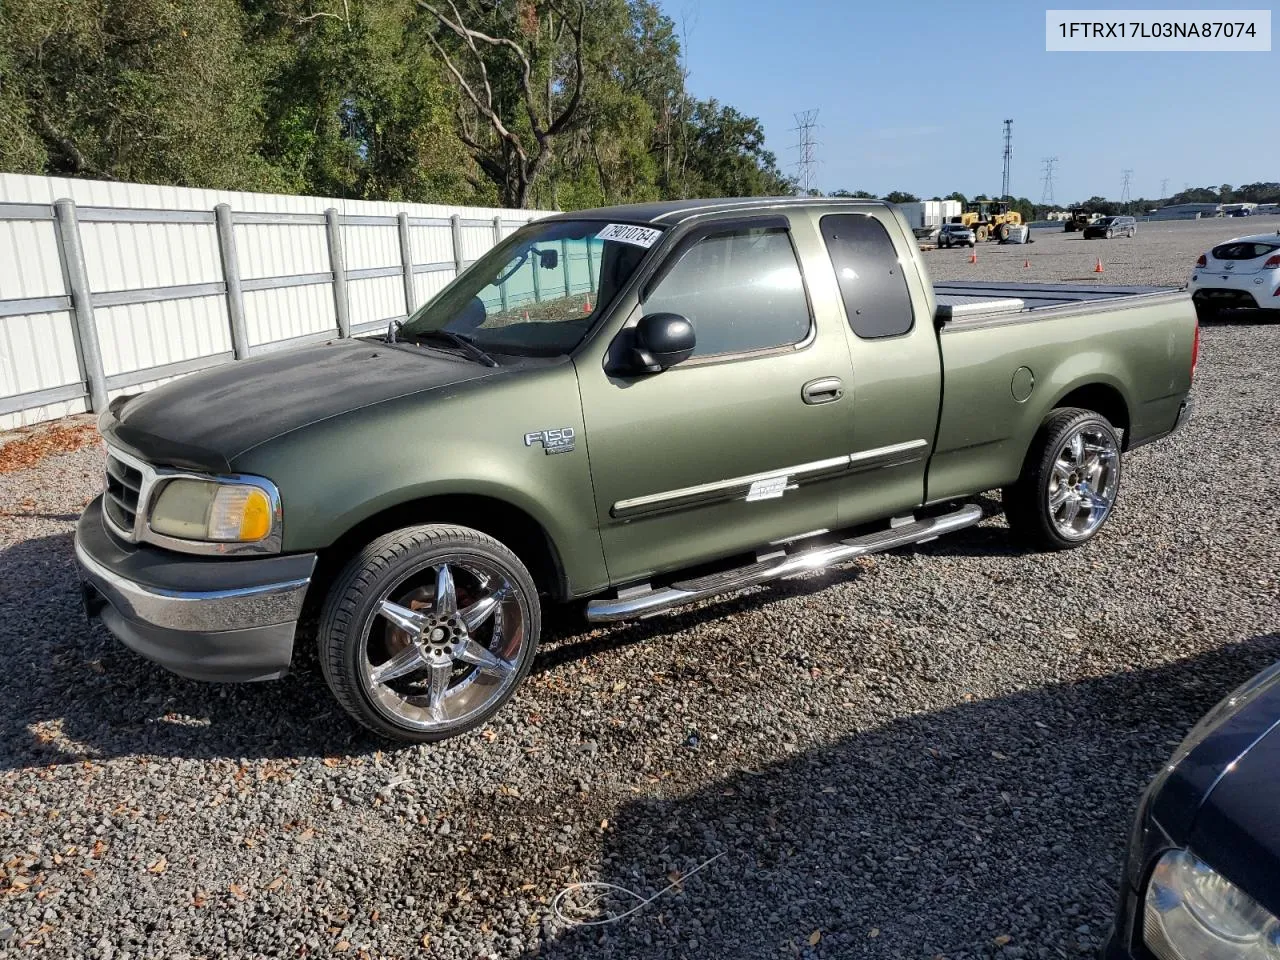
[
  {"x": 1164, "y": 188},
  {"x": 1008, "y": 155},
  {"x": 1046, "y": 195},
  {"x": 1125, "y": 199},
  {"x": 807, "y": 165}
]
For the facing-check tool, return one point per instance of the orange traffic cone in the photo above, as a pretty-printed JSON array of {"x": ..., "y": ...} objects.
[
  {"x": 586, "y": 307},
  {"x": 973, "y": 257},
  {"x": 1025, "y": 264},
  {"x": 1097, "y": 267}
]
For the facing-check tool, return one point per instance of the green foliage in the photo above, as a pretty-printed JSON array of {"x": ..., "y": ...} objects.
[
  {"x": 164, "y": 91},
  {"x": 353, "y": 98},
  {"x": 901, "y": 196}
]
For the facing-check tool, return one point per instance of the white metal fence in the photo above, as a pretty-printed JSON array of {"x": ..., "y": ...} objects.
[{"x": 113, "y": 287}]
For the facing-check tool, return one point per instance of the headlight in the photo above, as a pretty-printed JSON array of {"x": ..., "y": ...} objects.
[
  {"x": 217, "y": 511},
  {"x": 1195, "y": 913}
]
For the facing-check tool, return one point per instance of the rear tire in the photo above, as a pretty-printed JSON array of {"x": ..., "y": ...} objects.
[
  {"x": 1003, "y": 232},
  {"x": 980, "y": 234},
  {"x": 1069, "y": 482},
  {"x": 428, "y": 631}
]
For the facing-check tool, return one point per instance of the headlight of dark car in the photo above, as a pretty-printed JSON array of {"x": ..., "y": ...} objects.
[{"x": 1192, "y": 912}]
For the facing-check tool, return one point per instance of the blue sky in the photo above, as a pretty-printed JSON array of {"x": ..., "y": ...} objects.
[{"x": 891, "y": 120}]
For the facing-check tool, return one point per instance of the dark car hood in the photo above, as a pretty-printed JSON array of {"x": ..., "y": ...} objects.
[
  {"x": 206, "y": 420},
  {"x": 1221, "y": 798},
  {"x": 1237, "y": 830}
]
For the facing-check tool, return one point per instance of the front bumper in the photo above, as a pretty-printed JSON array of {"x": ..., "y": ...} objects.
[{"x": 205, "y": 618}]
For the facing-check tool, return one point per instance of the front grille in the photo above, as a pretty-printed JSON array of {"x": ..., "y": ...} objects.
[{"x": 124, "y": 483}]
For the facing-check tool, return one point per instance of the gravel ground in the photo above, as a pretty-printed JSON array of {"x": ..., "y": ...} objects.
[{"x": 934, "y": 753}]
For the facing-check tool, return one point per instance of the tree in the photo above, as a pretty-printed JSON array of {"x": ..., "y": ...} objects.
[
  {"x": 900, "y": 196},
  {"x": 162, "y": 91},
  {"x": 727, "y": 157},
  {"x": 562, "y": 103},
  {"x": 1100, "y": 205},
  {"x": 958, "y": 196},
  {"x": 509, "y": 128},
  {"x": 856, "y": 194}
]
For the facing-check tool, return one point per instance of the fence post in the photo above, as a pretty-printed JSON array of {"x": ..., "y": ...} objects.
[
  {"x": 231, "y": 276},
  {"x": 338, "y": 263},
  {"x": 591, "y": 270},
  {"x": 564, "y": 265},
  {"x": 455, "y": 228},
  {"x": 76, "y": 276},
  {"x": 497, "y": 239},
  {"x": 406, "y": 259}
]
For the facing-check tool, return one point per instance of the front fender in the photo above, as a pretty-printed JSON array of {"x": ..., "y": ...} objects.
[{"x": 469, "y": 439}]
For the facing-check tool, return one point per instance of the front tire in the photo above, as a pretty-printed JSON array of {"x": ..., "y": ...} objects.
[
  {"x": 428, "y": 631},
  {"x": 1069, "y": 481}
]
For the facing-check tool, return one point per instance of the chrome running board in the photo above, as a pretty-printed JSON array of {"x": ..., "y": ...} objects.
[{"x": 645, "y": 602}]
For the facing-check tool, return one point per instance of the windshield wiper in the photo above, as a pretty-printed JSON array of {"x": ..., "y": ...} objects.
[{"x": 459, "y": 341}]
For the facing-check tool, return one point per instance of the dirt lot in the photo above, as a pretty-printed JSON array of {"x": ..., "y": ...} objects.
[{"x": 935, "y": 753}]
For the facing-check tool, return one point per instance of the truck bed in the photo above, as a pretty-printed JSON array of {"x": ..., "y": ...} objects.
[{"x": 976, "y": 300}]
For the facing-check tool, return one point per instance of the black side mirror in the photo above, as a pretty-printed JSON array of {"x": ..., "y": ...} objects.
[
  {"x": 662, "y": 340},
  {"x": 548, "y": 259}
]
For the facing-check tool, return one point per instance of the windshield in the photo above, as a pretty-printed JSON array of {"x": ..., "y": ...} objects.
[
  {"x": 537, "y": 292},
  {"x": 1105, "y": 221}
]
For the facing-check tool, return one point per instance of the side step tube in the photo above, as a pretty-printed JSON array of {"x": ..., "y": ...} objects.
[{"x": 649, "y": 602}]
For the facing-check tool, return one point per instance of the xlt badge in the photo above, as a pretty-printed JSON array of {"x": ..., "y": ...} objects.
[{"x": 559, "y": 440}]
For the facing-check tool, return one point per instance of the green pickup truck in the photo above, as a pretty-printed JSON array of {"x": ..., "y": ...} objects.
[{"x": 637, "y": 407}]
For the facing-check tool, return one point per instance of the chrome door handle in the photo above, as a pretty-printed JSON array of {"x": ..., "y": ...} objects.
[{"x": 823, "y": 390}]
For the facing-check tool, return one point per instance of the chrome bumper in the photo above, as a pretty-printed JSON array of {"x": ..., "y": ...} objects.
[
  {"x": 200, "y": 610},
  {"x": 204, "y": 618}
]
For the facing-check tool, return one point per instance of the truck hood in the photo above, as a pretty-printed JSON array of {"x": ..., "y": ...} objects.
[{"x": 204, "y": 421}]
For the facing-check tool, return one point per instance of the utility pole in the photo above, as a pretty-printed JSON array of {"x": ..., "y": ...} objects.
[
  {"x": 807, "y": 165},
  {"x": 1008, "y": 155},
  {"x": 1125, "y": 199},
  {"x": 1046, "y": 195}
]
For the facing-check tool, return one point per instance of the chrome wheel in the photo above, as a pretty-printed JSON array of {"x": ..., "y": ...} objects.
[
  {"x": 1083, "y": 481},
  {"x": 443, "y": 643}
]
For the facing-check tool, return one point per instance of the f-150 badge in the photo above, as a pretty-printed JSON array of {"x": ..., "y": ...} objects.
[{"x": 560, "y": 440}]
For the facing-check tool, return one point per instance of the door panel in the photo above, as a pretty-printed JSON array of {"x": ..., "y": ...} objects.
[
  {"x": 722, "y": 453},
  {"x": 674, "y": 457},
  {"x": 896, "y": 383}
]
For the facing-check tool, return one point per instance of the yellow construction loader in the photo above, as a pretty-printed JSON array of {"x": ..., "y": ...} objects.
[{"x": 989, "y": 219}]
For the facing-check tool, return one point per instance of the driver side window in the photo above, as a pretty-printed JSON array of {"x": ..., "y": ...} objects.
[{"x": 742, "y": 290}]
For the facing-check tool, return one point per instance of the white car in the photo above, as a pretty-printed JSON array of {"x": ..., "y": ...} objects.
[{"x": 1244, "y": 272}]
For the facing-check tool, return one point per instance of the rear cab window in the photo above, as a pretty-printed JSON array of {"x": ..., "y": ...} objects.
[
  {"x": 872, "y": 282},
  {"x": 1243, "y": 250}
]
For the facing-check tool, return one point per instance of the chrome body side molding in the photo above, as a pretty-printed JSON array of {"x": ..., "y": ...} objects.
[{"x": 737, "y": 488}]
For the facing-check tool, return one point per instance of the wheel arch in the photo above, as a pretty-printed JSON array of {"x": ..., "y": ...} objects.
[
  {"x": 506, "y": 522},
  {"x": 1104, "y": 399}
]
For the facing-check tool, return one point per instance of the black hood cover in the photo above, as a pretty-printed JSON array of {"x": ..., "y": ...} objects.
[
  {"x": 1237, "y": 829},
  {"x": 206, "y": 420}
]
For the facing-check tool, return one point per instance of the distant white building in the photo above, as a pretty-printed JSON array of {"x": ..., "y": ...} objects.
[
  {"x": 1188, "y": 211},
  {"x": 929, "y": 213}
]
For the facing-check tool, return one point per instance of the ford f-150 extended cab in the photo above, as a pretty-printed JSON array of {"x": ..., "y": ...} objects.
[{"x": 637, "y": 407}]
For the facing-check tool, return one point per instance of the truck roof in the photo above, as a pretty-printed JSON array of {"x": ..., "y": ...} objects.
[{"x": 669, "y": 212}]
